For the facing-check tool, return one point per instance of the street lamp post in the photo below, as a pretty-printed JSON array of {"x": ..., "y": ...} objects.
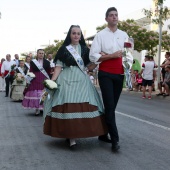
[{"x": 160, "y": 41}]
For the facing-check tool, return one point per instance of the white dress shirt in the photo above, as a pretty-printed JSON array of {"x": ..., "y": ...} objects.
[
  {"x": 108, "y": 42},
  {"x": 7, "y": 65}
]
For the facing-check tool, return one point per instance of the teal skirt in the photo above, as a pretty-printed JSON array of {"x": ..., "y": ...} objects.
[{"x": 74, "y": 109}]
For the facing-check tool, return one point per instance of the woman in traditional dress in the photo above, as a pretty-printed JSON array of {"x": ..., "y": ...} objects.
[
  {"x": 74, "y": 109},
  {"x": 41, "y": 68},
  {"x": 19, "y": 83}
]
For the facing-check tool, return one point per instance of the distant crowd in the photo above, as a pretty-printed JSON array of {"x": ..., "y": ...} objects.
[{"x": 148, "y": 75}]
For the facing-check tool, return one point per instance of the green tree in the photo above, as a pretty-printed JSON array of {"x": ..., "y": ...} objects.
[
  {"x": 52, "y": 49},
  {"x": 154, "y": 14}
]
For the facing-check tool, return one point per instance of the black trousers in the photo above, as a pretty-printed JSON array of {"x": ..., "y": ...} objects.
[
  {"x": 111, "y": 87},
  {"x": 9, "y": 80}
]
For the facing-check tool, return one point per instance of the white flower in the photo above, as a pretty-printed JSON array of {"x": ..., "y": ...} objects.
[
  {"x": 50, "y": 84},
  {"x": 30, "y": 74}
]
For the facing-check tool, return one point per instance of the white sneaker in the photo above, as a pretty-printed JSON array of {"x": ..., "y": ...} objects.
[{"x": 37, "y": 112}]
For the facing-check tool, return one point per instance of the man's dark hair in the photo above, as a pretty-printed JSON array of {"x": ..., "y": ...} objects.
[
  {"x": 109, "y": 10},
  {"x": 168, "y": 53},
  {"x": 151, "y": 57},
  {"x": 147, "y": 56},
  {"x": 40, "y": 50}
]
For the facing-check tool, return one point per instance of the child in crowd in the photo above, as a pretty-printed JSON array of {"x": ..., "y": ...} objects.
[{"x": 139, "y": 83}]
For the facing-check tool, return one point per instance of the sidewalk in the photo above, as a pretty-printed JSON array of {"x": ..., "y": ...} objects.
[{"x": 125, "y": 91}]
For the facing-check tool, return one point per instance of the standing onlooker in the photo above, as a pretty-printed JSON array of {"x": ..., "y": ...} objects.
[
  {"x": 8, "y": 72},
  {"x": 166, "y": 62},
  {"x": 156, "y": 66},
  {"x": 107, "y": 49},
  {"x": 149, "y": 73},
  {"x": 2, "y": 81},
  {"x": 166, "y": 82},
  {"x": 133, "y": 79}
]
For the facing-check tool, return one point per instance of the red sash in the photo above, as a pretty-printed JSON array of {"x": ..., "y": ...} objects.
[{"x": 11, "y": 73}]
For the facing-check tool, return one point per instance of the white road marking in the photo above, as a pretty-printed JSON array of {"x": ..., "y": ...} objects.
[{"x": 145, "y": 121}]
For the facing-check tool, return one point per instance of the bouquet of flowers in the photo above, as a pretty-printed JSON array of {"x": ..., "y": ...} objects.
[
  {"x": 19, "y": 78},
  {"x": 30, "y": 76},
  {"x": 49, "y": 85},
  {"x": 128, "y": 61}
]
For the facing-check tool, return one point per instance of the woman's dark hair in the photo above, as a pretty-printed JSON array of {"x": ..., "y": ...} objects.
[
  {"x": 109, "y": 10},
  {"x": 67, "y": 40}
]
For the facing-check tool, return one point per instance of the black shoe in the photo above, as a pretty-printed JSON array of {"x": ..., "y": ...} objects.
[
  {"x": 164, "y": 95},
  {"x": 159, "y": 94},
  {"x": 6, "y": 96},
  {"x": 115, "y": 147},
  {"x": 41, "y": 111},
  {"x": 104, "y": 138}
]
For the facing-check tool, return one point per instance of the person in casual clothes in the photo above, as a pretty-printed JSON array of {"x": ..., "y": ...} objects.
[
  {"x": 166, "y": 62},
  {"x": 106, "y": 50},
  {"x": 7, "y": 71},
  {"x": 41, "y": 68},
  {"x": 2, "y": 81},
  {"x": 166, "y": 82},
  {"x": 148, "y": 73},
  {"x": 75, "y": 109},
  {"x": 139, "y": 82}
]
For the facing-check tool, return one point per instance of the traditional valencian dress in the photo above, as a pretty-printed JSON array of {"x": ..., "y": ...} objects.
[
  {"x": 33, "y": 92},
  {"x": 18, "y": 88},
  {"x": 74, "y": 109}
]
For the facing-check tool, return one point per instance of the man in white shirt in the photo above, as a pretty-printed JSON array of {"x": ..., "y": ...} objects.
[
  {"x": 106, "y": 50},
  {"x": 7, "y": 72},
  {"x": 148, "y": 73},
  {"x": 16, "y": 59}
]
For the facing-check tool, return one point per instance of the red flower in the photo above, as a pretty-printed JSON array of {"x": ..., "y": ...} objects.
[{"x": 127, "y": 45}]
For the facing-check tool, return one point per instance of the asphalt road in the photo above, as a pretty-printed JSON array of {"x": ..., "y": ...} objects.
[{"x": 144, "y": 129}]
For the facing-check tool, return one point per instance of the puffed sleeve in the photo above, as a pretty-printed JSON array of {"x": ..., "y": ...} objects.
[{"x": 57, "y": 60}]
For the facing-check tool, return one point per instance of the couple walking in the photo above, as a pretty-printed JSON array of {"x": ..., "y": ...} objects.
[{"x": 74, "y": 109}]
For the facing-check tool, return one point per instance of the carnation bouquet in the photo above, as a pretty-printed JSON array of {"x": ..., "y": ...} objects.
[
  {"x": 30, "y": 76},
  {"x": 49, "y": 85},
  {"x": 128, "y": 61},
  {"x": 19, "y": 78}
]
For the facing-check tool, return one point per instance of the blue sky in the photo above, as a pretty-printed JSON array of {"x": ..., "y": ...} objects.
[{"x": 27, "y": 25}]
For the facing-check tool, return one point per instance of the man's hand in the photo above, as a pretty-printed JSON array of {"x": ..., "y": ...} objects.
[
  {"x": 117, "y": 54},
  {"x": 102, "y": 53}
]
